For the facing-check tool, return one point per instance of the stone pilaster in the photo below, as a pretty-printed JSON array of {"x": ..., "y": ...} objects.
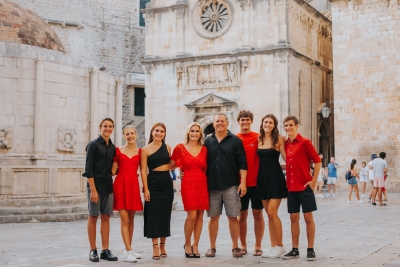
[
  {"x": 94, "y": 100},
  {"x": 118, "y": 112},
  {"x": 38, "y": 142},
  {"x": 245, "y": 4},
  {"x": 180, "y": 28},
  {"x": 282, "y": 69},
  {"x": 282, "y": 9}
]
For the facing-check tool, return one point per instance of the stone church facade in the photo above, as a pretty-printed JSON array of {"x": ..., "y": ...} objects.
[{"x": 210, "y": 56}]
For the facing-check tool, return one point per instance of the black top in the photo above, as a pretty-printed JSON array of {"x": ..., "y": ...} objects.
[
  {"x": 224, "y": 160},
  {"x": 99, "y": 159},
  {"x": 158, "y": 158}
]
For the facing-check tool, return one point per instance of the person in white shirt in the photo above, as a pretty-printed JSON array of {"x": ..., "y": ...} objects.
[
  {"x": 379, "y": 166},
  {"x": 371, "y": 177},
  {"x": 363, "y": 178}
]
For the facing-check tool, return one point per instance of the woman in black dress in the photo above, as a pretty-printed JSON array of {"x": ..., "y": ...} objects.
[
  {"x": 271, "y": 184},
  {"x": 158, "y": 189}
]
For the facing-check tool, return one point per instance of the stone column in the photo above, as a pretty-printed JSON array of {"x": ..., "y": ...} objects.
[
  {"x": 38, "y": 142},
  {"x": 282, "y": 69},
  {"x": 118, "y": 112},
  {"x": 94, "y": 103},
  {"x": 245, "y": 4}
]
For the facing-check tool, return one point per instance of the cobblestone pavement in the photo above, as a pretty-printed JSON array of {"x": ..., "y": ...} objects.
[{"x": 357, "y": 234}]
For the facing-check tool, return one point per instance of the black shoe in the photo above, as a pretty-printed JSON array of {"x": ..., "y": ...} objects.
[
  {"x": 291, "y": 255},
  {"x": 107, "y": 255},
  {"x": 373, "y": 203},
  {"x": 93, "y": 255},
  {"x": 188, "y": 255},
  {"x": 311, "y": 255}
]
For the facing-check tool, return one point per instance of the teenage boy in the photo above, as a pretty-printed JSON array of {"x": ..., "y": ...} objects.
[
  {"x": 300, "y": 184},
  {"x": 99, "y": 159},
  {"x": 379, "y": 166},
  {"x": 250, "y": 143}
]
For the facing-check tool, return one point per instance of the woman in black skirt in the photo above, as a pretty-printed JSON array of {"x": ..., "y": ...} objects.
[
  {"x": 158, "y": 189},
  {"x": 271, "y": 184}
]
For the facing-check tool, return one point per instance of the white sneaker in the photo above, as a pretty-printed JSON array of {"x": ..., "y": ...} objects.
[
  {"x": 277, "y": 252},
  {"x": 360, "y": 201},
  {"x": 333, "y": 195},
  {"x": 348, "y": 202},
  {"x": 328, "y": 195},
  {"x": 137, "y": 255},
  {"x": 129, "y": 257},
  {"x": 267, "y": 252},
  {"x": 363, "y": 196},
  {"x": 320, "y": 195}
]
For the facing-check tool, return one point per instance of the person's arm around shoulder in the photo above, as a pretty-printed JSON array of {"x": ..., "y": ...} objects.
[
  {"x": 143, "y": 173},
  {"x": 281, "y": 144}
]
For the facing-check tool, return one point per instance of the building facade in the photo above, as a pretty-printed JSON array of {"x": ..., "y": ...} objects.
[{"x": 210, "y": 56}]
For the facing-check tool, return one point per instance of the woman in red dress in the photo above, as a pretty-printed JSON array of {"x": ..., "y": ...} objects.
[
  {"x": 127, "y": 198},
  {"x": 191, "y": 157}
]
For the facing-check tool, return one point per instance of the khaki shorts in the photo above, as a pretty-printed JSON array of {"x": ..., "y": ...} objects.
[
  {"x": 229, "y": 198},
  {"x": 379, "y": 182}
]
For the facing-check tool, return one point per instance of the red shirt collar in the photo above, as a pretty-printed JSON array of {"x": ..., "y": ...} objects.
[{"x": 298, "y": 138}]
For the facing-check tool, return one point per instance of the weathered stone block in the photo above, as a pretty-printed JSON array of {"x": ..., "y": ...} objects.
[
  {"x": 52, "y": 76},
  {"x": 29, "y": 182}
]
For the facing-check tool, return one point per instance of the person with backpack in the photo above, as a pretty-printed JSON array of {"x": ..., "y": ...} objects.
[{"x": 351, "y": 177}]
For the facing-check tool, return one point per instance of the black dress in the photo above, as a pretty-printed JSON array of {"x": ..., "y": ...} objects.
[
  {"x": 157, "y": 212},
  {"x": 271, "y": 182}
]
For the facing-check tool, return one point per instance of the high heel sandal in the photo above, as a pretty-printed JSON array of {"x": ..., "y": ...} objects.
[
  {"x": 186, "y": 254},
  {"x": 163, "y": 255},
  {"x": 156, "y": 257},
  {"x": 195, "y": 255}
]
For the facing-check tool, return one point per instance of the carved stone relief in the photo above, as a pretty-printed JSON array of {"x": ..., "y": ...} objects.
[
  {"x": 213, "y": 74},
  {"x": 212, "y": 18},
  {"x": 66, "y": 139},
  {"x": 5, "y": 138}
]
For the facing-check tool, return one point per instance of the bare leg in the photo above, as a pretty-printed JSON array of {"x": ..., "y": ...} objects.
[
  {"x": 156, "y": 247},
  {"x": 295, "y": 228},
  {"x": 259, "y": 226},
  {"x": 350, "y": 192},
  {"x": 243, "y": 228},
  {"x": 380, "y": 195},
  {"x": 364, "y": 186},
  {"x": 189, "y": 228},
  {"x": 197, "y": 231},
  {"x": 273, "y": 220},
  {"x": 329, "y": 188},
  {"x": 357, "y": 193},
  {"x": 374, "y": 195},
  {"x": 162, "y": 246},
  {"x": 310, "y": 227},
  {"x": 131, "y": 225},
  {"x": 105, "y": 230},
  {"x": 334, "y": 188},
  {"x": 126, "y": 237},
  {"x": 213, "y": 230},
  {"x": 91, "y": 228},
  {"x": 320, "y": 187},
  {"x": 234, "y": 230}
]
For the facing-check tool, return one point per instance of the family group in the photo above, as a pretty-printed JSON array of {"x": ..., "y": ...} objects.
[{"x": 219, "y": 171}]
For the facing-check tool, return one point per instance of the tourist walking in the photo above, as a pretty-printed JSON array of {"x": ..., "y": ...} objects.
[
  {"x": 226, "y": 174},
  {"x": 191, "y": 157},
  {"x": 157, "y": 188},
  {"x": 320, "y": 181},
  {"x": 371, "y": 179},
  {"x": 353, "y": 182},
  {"x": 127, "y": 198},
  {"x": 379, "y": 165},
  {"x": 300, "y": 184},
  {"x": 332, "y": 176},
  {"x": 100, "y": 153},
  {"x": 271, "y": 185},
  {"x": 250, "y": 143},
  {"x": 363, "y": 176}
]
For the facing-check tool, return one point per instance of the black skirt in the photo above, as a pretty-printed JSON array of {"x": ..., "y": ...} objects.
[{"x": 157, "y": 212}]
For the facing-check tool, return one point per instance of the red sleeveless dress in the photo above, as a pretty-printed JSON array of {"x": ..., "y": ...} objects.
[
  {"x": 194, "y": 188},
  {"x": 126, "y": 184}
]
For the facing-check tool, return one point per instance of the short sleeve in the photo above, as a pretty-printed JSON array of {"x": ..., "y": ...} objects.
[
  {"x": 176, "y": 155},
  {"x": 117, "y": 154}
]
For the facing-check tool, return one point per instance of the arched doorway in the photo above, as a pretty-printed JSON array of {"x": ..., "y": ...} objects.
[
  {"x": 324, "y": 143},
  {"x": 209, "y": 129}
]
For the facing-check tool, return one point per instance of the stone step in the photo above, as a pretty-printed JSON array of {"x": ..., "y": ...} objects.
[
  {"x": 23, "y": 202},
  {"x": 64, "y": 217},
  {"x": 43, "y": 210}
]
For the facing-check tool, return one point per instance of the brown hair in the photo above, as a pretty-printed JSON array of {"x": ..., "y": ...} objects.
[
  {"x": 152, "y": 129},
  {"x": 186, "y": 138},
  {"x": 106, "y": 119},
  {"x": 245, "y": 113},
  {"x": 293, "y": 118},
  {"x": 275, "y": 131}
]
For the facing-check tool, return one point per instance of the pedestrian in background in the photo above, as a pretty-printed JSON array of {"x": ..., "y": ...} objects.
[
  {"x": 332, "y": 176},
  {"x": 353, "y": 182},
  {"x": 363, "y": 176}
]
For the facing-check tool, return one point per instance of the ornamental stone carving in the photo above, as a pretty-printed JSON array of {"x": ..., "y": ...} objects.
[
  {"x": 66, "y": 139},
  {"x": 5, "y": 138},
  {"x": 213, "y": 74},
  {"x": 212, "y": 18}
]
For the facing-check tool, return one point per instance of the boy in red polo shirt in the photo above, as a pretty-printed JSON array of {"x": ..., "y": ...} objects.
[{"x": 300, "y": 184}]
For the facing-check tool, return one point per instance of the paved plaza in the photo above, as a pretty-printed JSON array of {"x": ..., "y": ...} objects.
[{"x": 357, "y": 234}]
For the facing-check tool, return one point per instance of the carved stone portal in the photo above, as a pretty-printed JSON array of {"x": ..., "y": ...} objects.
[
  {"x": 5, "y": 138},
  {"x": 66, "y": 139}
]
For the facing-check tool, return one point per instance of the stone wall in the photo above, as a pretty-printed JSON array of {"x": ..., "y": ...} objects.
[{"x": 367, "y": 83}]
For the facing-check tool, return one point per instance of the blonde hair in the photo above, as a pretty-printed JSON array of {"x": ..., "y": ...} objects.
[
  {"x": 186, "y": 137},
  {"x": 129, "y": 127}
]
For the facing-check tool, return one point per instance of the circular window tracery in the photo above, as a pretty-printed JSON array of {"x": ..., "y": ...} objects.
[{"x": 212, "y": 18}]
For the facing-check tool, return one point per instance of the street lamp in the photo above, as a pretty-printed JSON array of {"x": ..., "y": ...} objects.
[{"x": 325, "y": 112}]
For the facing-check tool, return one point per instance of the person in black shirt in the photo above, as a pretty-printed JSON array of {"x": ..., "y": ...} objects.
[
  {"x": 226, "y": 175},
  {"x": 99, "y": 159}
]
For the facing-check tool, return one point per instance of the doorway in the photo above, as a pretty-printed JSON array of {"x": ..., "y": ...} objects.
[{"x": 209, "y": 130}]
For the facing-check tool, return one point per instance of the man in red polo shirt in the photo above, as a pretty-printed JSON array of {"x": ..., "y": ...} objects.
[
  {"x": 300, "y": 184},
  {"x": 250, "y": 143}
]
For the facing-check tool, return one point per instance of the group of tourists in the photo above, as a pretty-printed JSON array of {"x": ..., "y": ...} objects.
[{"x": 220, "y": 170}]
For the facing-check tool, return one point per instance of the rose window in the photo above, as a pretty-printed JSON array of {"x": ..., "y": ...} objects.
[{"x": 215, "y": 16}]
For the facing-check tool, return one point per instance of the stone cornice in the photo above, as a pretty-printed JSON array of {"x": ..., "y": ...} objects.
[
  {"x": 178, "y": 5},
  {"x": 315, "y": 12},
  {"x": 238, "y": 53}
]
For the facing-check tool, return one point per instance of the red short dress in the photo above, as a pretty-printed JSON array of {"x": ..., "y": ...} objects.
[
  {"x": 126, "y": 184},
  {"x": 194, "y": 187}
]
